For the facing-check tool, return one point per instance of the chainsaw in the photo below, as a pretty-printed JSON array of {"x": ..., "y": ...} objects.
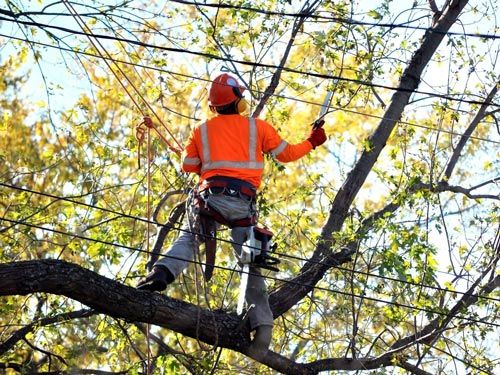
[{"x": 255, "y": 253}]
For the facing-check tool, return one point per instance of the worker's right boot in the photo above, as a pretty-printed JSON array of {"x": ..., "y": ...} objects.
[
  {"x": 260, "y": 343},
  {"x": 157, "y": 280}
]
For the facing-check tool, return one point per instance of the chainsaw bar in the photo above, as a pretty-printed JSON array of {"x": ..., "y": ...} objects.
[{"x": 243, "y": 288}]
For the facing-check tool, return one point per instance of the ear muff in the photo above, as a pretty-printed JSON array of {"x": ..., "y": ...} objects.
[{"x": 242, "y": 106}]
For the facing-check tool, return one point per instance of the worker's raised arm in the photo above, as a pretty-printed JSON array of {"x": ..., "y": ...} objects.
[{"x": 284, "y": 151}]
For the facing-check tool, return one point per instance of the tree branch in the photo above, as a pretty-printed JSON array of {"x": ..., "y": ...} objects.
[
  {"x": 288, "y": 295},
  {"x": 443, "y": 186},
  {"x": 434, "y": 329},
  {"x": 435, "y": 10},
  {"x": 112, "y": 298},
  {"x": 277, "y": 73},
  {"x": 186, "y": 359},
  {"x": 109, "y": 297},
  {"x": 413, "y": 369},
  {"x": 481, "y": 113},
  {"x": 21, "y": 333}
]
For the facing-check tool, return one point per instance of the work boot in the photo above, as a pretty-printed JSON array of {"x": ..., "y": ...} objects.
[
  {"x": 157, "y": 280},
  {"x": 260, "y": 344}
]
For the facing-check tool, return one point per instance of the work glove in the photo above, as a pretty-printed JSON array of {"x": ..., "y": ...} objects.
[{"x": 317, "y": 137}]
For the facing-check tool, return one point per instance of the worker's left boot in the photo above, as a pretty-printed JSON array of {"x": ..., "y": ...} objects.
[
  {"x": 260, "y": 343},
  {"x": 157, "y": 280}
]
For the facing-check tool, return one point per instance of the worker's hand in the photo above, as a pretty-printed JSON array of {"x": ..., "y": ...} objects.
[{"x": 317, "y": 137}]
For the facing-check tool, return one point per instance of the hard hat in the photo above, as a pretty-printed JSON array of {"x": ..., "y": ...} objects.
[{"x": 225, "y": 89}]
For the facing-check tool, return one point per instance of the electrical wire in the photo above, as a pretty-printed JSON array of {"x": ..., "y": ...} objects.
[
  {"x": 180, "y": 229},
  {"x": 343, "y": 20},
  {"x": 247, "y": 63},
  {"x": 320, "y": 17},
  {"x": 286, "y": 97},
  {"x": 114, "y": 244}
]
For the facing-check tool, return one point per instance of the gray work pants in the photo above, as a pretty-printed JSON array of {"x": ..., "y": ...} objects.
[{"x": 183, "y": 249}]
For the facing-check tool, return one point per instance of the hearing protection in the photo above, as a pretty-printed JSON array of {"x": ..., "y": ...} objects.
[{"x": 241, "y": 104}]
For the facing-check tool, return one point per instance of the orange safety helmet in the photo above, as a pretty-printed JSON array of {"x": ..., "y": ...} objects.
[{"x": 225, "y": 89}]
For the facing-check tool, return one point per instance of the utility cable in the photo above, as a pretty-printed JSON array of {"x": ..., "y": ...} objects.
[
  {"x": 180, "y": 229},
  {"x": 342, "y": 20},
  {"x": 110, "y": 243},
  {"x": 286, "y": 97},
  {"x": 246, "y": 63},
  {"x": 320, "y": 17}
]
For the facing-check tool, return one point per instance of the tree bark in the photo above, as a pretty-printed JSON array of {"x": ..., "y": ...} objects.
[{"x": 219, "y": 327}]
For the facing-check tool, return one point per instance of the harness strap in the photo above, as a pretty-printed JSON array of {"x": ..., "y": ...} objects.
[
  {"x": 217, "y": 216},
  {"x": 229, "y": 187},
  {"x": 209, "y": 230}
]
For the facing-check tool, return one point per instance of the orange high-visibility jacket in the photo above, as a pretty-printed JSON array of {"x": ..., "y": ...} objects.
[{"x": 234, "y": 146}]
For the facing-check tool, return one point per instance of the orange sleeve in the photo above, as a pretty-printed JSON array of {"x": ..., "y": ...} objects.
[
  {"x": 281, "y": 149},
  {"x": 191, "y": 161},
  {"x": 294, "y": 152}
]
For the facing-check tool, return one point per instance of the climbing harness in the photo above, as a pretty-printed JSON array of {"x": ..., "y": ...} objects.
[{"x": 209, "y": 218}]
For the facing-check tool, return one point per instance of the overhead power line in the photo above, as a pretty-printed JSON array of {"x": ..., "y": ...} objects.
[
  {"x": 364, "y": 297},
  {"x": 144, "y": 220},
  {"x": 319, "y": 16},
  {"x": 162, "y": 70},
  {"x": 343, "y": 20},
  {"x": 243, "y": 62}
]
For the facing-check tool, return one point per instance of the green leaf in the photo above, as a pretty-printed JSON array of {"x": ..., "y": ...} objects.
[{"x": 374, "y": 14}]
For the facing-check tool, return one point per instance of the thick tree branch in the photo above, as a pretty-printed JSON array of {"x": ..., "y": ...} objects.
[
  {"x": 288, "y": 295},
  {"x": 112, "y": 298}
]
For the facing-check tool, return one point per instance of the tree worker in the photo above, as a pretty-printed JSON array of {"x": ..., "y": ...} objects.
[{"x": 227, "y": 152}]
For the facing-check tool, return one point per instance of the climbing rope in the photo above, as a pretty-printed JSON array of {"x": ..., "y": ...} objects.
[
  {"x": 148, "y": 214},
  {"x": 142, "y": 132},
  {"x": 144, "y": 128},
  {"x": 194, "y": 224}
]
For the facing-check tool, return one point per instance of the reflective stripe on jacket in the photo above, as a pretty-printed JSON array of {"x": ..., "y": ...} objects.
[{"x": 234, "y": 146}]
